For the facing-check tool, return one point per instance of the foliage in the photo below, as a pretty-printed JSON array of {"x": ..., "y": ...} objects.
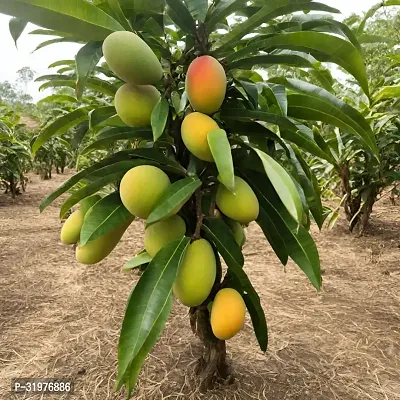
[{"x": 266, "y": 143}]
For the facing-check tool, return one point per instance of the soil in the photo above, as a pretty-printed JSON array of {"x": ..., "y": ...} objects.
[{"x": 62, "y": 319}]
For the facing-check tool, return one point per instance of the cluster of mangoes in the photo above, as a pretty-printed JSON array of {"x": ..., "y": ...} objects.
[{"x": 142, "y": 187}]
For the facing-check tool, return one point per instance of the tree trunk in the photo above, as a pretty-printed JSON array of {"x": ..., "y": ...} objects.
[
  {"x": 363, "y": 218},
  {"x": 12, "y": 186},
  {"x": 212, "y": 365},
  {"x": 351, "y": 204}
]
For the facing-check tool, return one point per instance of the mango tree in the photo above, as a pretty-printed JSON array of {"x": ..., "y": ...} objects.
[{"x": 213, "y": 146}]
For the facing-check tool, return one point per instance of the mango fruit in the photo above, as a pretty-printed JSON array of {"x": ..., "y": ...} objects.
[
  {"x": 98, "y": 249},
  {"x": 141, "y": 188},
  {"x": 242, "y": 206},
  {"x": 194, "y": 130},
  {"x": 196, "y": 275},
  {"x": 206, "y": 84},
  {"x": 238, "y": 231},
  {"x": 131, "y": 59},
  {"x": 227, "y": 314},
  {"x": 134, "y": 104},
  {"x": 71, "y": 229},
  {"x": 162, "y": 233},
  {"x": 87, "y": 203}
]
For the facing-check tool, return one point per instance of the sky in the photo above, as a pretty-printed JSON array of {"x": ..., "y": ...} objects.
[{"x": 14, "y": 59}]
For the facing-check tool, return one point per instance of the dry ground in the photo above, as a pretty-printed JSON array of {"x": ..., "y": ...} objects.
[{"x": 62, "y": 319}]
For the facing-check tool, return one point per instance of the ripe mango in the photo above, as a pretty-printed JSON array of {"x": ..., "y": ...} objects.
[
  {"x": 196, "y": 275},
  {"x": 195, "y": 128},
  {"x": 134, "y": 104},
  {"x": 206, "y": 84},
  {"x": 87, "y": 203},
  {"x": 242, "y": 206},
  {"x": 227, "y": 314},
  {"x": 238, "y": 231},
  {"x": 141, "y": 188},
  {"x": 131, "y": 59},
  {"x": 98, "y": 249},
  {"x": 71, "y": 229},
  {"x": 162, "y": 233}
]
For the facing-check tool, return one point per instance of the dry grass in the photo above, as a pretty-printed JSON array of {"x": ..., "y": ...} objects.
[{"x": 62, "y": 319}]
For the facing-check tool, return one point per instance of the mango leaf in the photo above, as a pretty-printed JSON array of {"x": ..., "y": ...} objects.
[
  {"x": 104, "y": 216},
  {"x": 299, "y": 244},
  {"x": 58, "y": 98},
  {"x": 112, "y": 135},
  {"x": 49, "y": 32},
  {"x": 273, "y": 236},
  {"x": 218, "y": 232},
  {"x": 136, "y": 364},
  {"x": 386, "y": 92},
  {"x": 147, "y": 302},
  {"x": 17, "y": 26},
  {"x": 61, "y": 125},
  {"x": 159, "y": 117},
  {"x": 283, "y": 184},
  {"x": 83, "y": 20},
  {"x": 100, "y": 114},
  {"x": 56, "y": 41},
  {"x": 176, "y": 195},
  {"x": 197, "y": 8},
  {"x": 368, "y": 39},
  {"x": 86, "y": 59},
  {"x": 221, "y": 151},
  {"x": 61, "y": 63},
  {"x": 223, "y": 9},
  {"x": 119, "y": 14},
  {"x": 140, "y": 259},
  {"x": 179, "y": 13},
  {"x": 268, "y": 12}
]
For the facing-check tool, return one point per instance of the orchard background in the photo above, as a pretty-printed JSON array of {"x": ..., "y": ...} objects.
[{"x": 315, "y": 153}]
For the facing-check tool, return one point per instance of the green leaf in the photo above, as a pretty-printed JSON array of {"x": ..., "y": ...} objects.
[
  {"x": 269, "y": 11},
  {"x": 136, "y": 365},
  {"x": 86, "y": 59},
  {"x": 221, "y": 152},
  {"x": 119, "y": 14},
  {"x": 219, "y": 233},
  {"x": 368, "y": 39},
  {"x": 175, "y": 196},
  {"x": 61, "y": 63},
  {"x": 104, "y": 216},
  {"x": 324, "y": 47},
  {"x": 386, "y": 92},
  {"x": 197, "y": 8},
  {"x": 273, "y": 236},
  {"x": 179, "y": 13},
  {"x": 49, "y": 32},
  {"x": 81, "y": 19},
  {"x": 56, "y": 41},
  {"x": 317, "y": 104},
  {"x": 147, "y": 302},
  {"x": 58, "y": 98},
  {"x": 112, "y": 135},
  {"x": 140, "y": 259},
  {"x": 299, "y": 244},
  {"x": 283, "y": 184},
  {"x": 17, "y": 26},
  {"x": 223, "y": 9},
  {"x": 61, "y": 125},
  {"x": 100, "y": 114},
  {"x": 159, "y": 117}
]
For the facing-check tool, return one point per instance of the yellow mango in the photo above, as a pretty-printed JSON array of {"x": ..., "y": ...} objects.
[
  {"x": 195, "y": 128},
  {"x": 196, "y": 275},
  {"x": 71, "y": 229},
  {"x": 98, "y": 249},
  {"x": 141, "y": 188},
  {"x": 242, "y": 206},
  {"x": 162, "y": 233},
  {"x": 134, "y": 104},
  {"x": 227, "y": 313}
]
